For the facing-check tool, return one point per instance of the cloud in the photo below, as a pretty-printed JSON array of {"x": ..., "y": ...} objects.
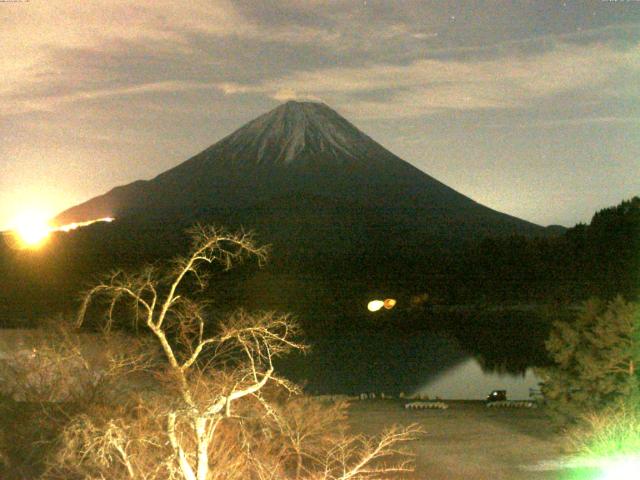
[
  {"x": 48, "y": 103},
  {"x": 69, "y": 52},
  {"x": 288, "y": 94},
  {"x": 39, "y": 38},
  {"x": 561, "y": 122},
  {"x": 32, "y": 35},
  {"x": 431, "y": 85}
]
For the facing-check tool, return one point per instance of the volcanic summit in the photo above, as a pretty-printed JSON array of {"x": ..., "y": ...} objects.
[{"x": 304, "y": 166}]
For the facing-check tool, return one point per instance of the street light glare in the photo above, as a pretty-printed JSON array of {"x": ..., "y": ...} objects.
[{"x": 375, "y": 305}]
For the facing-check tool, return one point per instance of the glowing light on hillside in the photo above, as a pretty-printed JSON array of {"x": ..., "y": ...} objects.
[
  {"x": 73, "y": 226},
  {"x": 32, "y": 229},
  {"x": 375, "y": 305}
]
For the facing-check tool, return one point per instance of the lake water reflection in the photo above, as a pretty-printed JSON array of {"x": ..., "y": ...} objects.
[
  {"x": 464, "y": 363},
  {"x": 468, "y": 381}
]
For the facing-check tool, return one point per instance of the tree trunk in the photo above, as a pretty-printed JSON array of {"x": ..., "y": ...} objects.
[
  {"x": 185, "y": 467},
  {"x": 203, "y": 448}
]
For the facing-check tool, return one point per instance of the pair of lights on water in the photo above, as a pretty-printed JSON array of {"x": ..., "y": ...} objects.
[{"x": 375, "y": 305}]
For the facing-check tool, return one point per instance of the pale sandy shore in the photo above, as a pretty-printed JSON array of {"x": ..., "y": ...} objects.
[{"x": 471, "y": 442}]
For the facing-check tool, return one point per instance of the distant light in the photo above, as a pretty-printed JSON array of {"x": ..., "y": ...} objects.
[
  {"x": 31, "y": 229},
  {"x": 375, "y": 305},
  {"x": 72, "y": 226}
]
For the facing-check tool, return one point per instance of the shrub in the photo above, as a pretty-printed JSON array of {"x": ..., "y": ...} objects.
[
  {"x": 595, "y": 359},
  {"x": 611, "y": 432}
]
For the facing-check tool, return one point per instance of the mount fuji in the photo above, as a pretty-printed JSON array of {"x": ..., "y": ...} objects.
[
  {"x": 303, "y": 163},
  {"x": 347, "y": 219}
]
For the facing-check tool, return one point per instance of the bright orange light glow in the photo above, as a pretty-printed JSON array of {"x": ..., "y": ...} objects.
[
  {"x": 389, "y": 303},
  {"x": 31, "y": 229},
  {"x": 72, "y": 226}
]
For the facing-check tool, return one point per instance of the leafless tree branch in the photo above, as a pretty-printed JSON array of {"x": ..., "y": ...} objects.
[{"x": 215, "y": 389}]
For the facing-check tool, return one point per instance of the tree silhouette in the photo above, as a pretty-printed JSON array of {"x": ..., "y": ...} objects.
[{"x": 595, "y": 359}]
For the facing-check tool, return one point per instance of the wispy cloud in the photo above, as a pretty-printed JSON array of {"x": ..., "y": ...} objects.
[
  {"x": 48, "y": 103},
  {"x": 432, "y": 85},
  {"x": 436, "y": 77},
  {"x": 560, "y": 122},
  {"x": 34, "y": 36}
]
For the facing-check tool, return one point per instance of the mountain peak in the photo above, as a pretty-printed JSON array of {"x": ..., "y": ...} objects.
[
  {"x": 296, "y": 133},
  {"x": 301, "y": 155},
  {"x": 292, "y": 107},
  {"x": 301, "y": 103}
]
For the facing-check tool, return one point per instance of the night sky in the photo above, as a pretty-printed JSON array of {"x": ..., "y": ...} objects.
[{"x": 529, "y": 107}]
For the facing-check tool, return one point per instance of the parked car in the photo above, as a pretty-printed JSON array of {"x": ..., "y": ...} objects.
[{"x": 497, "y": 396}]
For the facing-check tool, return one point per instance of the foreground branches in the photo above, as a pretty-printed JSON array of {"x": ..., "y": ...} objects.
[{"x": 217, "y": 409}]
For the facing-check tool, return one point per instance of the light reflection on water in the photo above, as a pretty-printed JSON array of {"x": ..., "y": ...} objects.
[{"x": 467, "y": 381}]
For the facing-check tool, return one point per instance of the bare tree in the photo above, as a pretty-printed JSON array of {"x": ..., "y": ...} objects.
[
  {"x": 213, "y": 414},
  {"x": 57, "y": 363}
]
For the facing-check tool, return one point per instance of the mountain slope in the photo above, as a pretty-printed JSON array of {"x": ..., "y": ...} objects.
[{"x": 297, "y": 155}]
